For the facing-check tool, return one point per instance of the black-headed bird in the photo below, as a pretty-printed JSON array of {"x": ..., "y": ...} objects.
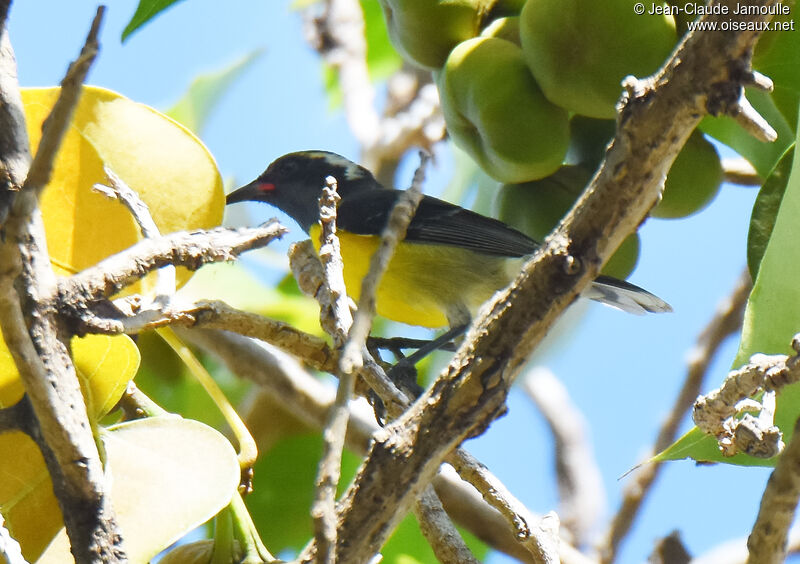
[{"x": 450, "y": 262}]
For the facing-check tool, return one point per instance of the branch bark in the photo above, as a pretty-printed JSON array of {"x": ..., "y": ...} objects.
[
  {"x": 706, "y": 74},
  {"x": 32, "y": 332},
  {"x": 768, "y": 541}
]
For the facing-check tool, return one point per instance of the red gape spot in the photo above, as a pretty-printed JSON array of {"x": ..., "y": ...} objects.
[{"x": 266, "y": 187}]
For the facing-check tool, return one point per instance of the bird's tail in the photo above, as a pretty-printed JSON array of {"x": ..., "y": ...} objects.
[{"x": 625, "y": 296}]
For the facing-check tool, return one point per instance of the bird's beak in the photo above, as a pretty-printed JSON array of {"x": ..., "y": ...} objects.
[{"x": 248, "y": 192}]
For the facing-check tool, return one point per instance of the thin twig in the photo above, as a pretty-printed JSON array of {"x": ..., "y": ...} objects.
[
  {"x": 767, "y": 542},
  {"x": 191, "y": 250},
  {"x": 38, "y": 341},
  {"x": 119, "y": 190},
  {"x": 395, "y": 230},
  {"x": 336, "y": 318},
  {"x": 726, "y": 321},
  {"x": 55, "y": 126}
]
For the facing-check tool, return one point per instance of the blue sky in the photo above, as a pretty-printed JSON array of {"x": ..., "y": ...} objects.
[{"x": 621, "y": 370}]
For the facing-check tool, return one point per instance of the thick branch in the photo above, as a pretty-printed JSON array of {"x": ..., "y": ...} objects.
[
  {"x": 32, "y": 332},
  {"x": 55, "y": 126},
  {"x": 707, "y": 70},
  {"x": 280, "y": 377}
]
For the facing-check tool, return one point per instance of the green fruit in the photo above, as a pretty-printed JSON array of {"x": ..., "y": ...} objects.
[
  {"x": 535, "y": 208},
  {"x": 589, "y": 139},
  {"x": 495, "y": 111},
  {"x": 693, "y": 180},
  {"x": 197, "y": 552},
  {"x": 425, "y": 31},
  {"x": 580, "y": 50},
  {"x": 504, "y": 28},
  {"x": 502, "y": 8}
]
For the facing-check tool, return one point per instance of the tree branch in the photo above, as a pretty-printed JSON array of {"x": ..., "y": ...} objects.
[
  {"x": 188, "y": 249},
  {"x": 716, "y": 412},
  {"x": 658, "y": 115},
  {"x": 34, "y": 336},
  {"x": 767, "y": 542},
  {"x": 55, "y": 126},
  {"x": 282, "y": 379}
]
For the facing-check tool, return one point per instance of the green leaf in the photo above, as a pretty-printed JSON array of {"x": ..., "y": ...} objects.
[
  {"x": 763, "y": 156},
  {"x": 697, "y": 445},
  {"x": 145, "y": 11},
  {"x": 169, "y": 475},
  {"x": 765, "y": 211},
  {"x": 284, "y": 489},
  {"x": 772, "y": 316},
  {"x": 205, "y": 92},
  {"x": 383, "y": 60}
]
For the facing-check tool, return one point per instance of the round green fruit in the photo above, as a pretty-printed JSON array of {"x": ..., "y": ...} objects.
[
  {"x": 425, "y": 31},
  {"x": 580, "y": 50},
  {"x": 589, "y": 139},
  {"x": 693, "y": 180},
  {"x": 535, "y": 208},
  {"x": 504, "y": 28},
  {"x": 495, "y": 111}
]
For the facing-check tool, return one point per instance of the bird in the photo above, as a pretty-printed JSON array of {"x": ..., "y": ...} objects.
[{"x": 451, "y": 261}]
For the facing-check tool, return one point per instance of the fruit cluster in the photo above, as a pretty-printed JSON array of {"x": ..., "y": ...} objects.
[{"x": 528, "y": 89}]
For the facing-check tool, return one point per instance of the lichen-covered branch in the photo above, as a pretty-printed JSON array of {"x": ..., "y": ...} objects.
[{"x": 716, "y": 413}]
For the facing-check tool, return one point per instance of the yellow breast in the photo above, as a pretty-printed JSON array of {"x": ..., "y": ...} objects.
[{"x": 424, "y": 284}]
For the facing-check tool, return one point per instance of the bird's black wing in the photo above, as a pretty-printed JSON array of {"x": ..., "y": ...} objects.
[{"x": 436, "y": 222}]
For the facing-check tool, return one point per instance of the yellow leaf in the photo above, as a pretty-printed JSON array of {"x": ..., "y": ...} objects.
[
  {"x": 105, "y": 365},
  {"x": 168, "y": 476},
  {"x": 161, "y": 160}
]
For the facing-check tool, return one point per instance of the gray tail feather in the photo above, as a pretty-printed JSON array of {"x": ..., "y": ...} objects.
[{"x": 625, "y": 296}]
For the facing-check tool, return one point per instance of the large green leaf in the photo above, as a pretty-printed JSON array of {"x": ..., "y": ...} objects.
[
  {"x": 145, "y": 11},
  {"x": 765, "y": 211},
  {"x": 772, "y": 316}
]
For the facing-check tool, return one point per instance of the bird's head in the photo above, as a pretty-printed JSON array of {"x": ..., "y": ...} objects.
[{"x": 293, "y": 183}]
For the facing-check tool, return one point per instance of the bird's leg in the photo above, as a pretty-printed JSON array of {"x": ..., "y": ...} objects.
[
  {"x": 443, "y": 341},
  {"x": 404, "y": 372}
]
